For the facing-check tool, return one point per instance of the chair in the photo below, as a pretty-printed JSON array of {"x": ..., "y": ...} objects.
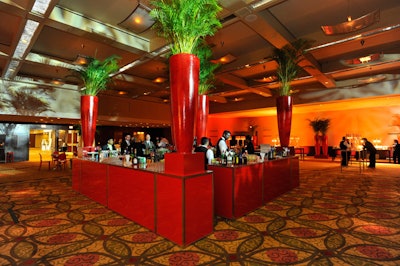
[
  {"x": 54, "y": 157},
  {"x": 42, "y": 161},
  {"x": 62, "y": 161},
  {"x": 9, "y": 157}
]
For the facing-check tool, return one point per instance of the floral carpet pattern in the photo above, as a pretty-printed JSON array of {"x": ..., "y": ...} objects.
[{"x": 333, "y": 218}]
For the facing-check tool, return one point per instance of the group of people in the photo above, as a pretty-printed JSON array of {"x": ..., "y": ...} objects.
[
  {"x": 129, "y": 145},
  {"x": 345, "y": 147},
  {"x": 221, "y": 147}
]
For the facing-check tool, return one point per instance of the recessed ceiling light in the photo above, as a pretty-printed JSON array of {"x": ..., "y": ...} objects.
[
  {"x": 226, "y": 59},
  {"x": 139, "y": 20},
  {"x": 267, "y": 79},
  {"x": 159, "y": 80},
  {"x": 121, "y": 92}
]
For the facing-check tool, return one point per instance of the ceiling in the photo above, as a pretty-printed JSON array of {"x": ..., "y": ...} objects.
[{"x": 251, "y": 30}]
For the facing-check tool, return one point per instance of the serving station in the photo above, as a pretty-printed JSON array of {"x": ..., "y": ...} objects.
[
  {"x": 240, "y": 189},
  {"x": 181, "y": 206}
]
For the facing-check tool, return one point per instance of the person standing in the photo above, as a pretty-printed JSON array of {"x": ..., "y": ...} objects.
[
  {"x": 208, "y": 153},
  {"x": 148, "y": 143},
  {"x": 249, "y": 147},
  {"x": 372, "y": 152},
  {"x": 126, "y": 144},
  {"x": 345, "y": 151},
  {"x": 396, "y": 151},
  {"x": 222, "y": 147},
  {"x": 109, "y": 146}
]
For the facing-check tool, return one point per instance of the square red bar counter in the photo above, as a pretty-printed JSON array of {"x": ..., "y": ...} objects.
[{"x": 176, "y": 203}]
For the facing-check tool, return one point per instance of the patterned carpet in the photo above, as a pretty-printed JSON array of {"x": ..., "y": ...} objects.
[{"x": 333, "y": 218}]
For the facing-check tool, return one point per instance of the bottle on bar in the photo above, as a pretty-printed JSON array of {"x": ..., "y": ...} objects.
[
  {"x": 134, "y": 159},
  {"x": 223, "y": 158},
  {"x": 229, "y": 159}
]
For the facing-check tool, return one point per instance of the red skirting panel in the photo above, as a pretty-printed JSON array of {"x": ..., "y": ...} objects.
[
  {"x": 94, "y": 181},
  {"x": 132, "y": 194},
  {"x": 280, "y": 176},
  {"x": 237, "y": 189},
  {"x": 184, "y": 207}
]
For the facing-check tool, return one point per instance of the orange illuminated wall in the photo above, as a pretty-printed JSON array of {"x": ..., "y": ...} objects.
[{"x": 373, "y": 123}]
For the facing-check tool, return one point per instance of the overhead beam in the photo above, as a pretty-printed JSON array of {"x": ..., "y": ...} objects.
[{"x": 269, "y": 33}]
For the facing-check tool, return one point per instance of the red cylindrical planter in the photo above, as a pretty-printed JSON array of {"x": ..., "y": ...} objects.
[
  {"x": 284, "y": 115},
  {"x": 89, "y": 106},
  {"x": 184, "y": 80},
  {"x": 324, "y": 141},
  {"x": 203, "y": 107},
  {"x": 317, "y": 145}
]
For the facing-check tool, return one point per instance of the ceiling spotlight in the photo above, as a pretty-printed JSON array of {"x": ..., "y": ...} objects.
[
  {"x": 159, "y": 80},
  {"x": 121, "y": 92},
  {"x": 267, "y": 79},
  {"x": 81, "y": 60},
  {"x": 226, "y": 59},
  {"x": 361, "y": 60},
  {"x": 57, "y": 82}
]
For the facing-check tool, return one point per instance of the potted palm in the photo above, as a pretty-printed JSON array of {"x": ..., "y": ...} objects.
[
  {"x": 206, "y": 83},
  {"x": 183, "y": 23},
  {"x": 320, "y": 126},
  {"x": 95, "y": 76},
  {"x": 287, "y": 58}
]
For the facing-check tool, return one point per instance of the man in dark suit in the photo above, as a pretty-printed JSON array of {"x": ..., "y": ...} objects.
[
  {"x": 372, "y": 152},
  {"x": 126, "y": 144}
]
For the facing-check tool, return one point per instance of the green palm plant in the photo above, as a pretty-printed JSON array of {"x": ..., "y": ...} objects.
[
  {"x": 288, "y": 58},
  {"x": 320, "y": 125},
  {"x": 97, "y": 74},
  {"x": 207, "y": 68},
  {"x": 184, "y": 22}
]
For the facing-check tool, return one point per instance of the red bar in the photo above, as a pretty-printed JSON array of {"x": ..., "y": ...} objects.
[
  {"x": 132, "y": 194},
  {"x": 184, "y": 207}
]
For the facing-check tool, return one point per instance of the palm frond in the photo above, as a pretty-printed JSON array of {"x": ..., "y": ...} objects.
[
  {"x": 96, "y": 74},
  {"x": 288, "y": 58},
  {"x": 207, "y": 68},
  {"x": 183, "y": 22}
]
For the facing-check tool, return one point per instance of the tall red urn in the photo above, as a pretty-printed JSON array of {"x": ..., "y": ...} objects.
[
  {"x": 324, "y": 141},
  {"x": 317, "y": 145},
  {"x": 203, "y": 106},
  {"x": 89, "y": 107},
  {"x": 284, "y": 115},
  {"x": 184, "y": 80}
]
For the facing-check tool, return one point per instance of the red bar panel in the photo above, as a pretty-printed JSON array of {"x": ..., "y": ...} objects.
[
  {"x": 247, "y": 189},
  {"x": 184, "y": 207},
  {"x": 94, "y": 181},
  {"x": 237, "y": 189},
  {"x": 170, "y": 208},
  {"x": 223, "y": 191},
  {"x": 131, "y": 193},
  {"x": 276, "y": 175},
  {"x": 198, "y": 207}
]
